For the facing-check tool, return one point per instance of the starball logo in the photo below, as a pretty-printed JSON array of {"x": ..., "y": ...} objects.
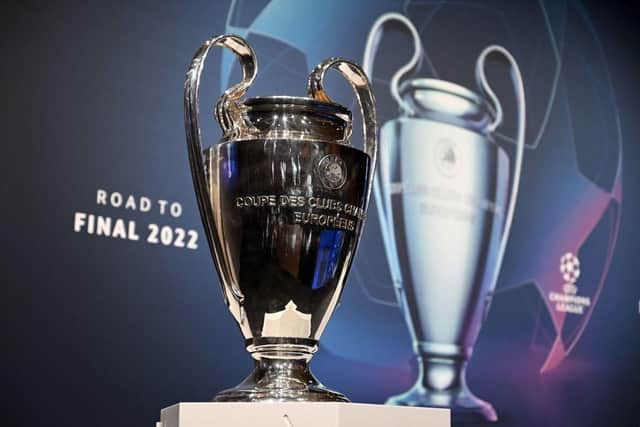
[{"x": 569, "y": 301}]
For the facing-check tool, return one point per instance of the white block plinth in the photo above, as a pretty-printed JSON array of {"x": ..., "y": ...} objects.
[{"x": 300, "y": 415}]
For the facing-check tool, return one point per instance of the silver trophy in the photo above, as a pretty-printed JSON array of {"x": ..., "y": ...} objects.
[
  {"x": 283, "y": 199},
  {"x": 445, "y": 206}
]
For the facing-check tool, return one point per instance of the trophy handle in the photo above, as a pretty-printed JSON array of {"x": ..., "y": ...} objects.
[
  {"x": 484, "y": 86},
  {"x": 382, "y": 192},
  {"x": 358, "y": 80},
  {"x": 226, "y": 110},
  {"x": 385, "y": 21}
]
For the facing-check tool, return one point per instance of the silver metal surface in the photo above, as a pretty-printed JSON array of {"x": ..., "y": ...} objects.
[{"x": 283, "y": 200}]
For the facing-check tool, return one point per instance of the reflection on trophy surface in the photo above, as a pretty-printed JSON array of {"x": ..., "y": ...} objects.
[
  {"x": 445, "y": 196},
  {"x": 283, "y": 199}
]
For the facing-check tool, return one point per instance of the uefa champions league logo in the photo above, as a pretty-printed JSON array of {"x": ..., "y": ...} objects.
[
  {"x": 569, "y": 301},
  {"x": 332, "y": 172},
  {"x": 570, "y": 269}
]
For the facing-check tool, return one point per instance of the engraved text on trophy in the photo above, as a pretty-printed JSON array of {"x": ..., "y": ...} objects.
[{"x": 318, "y": 211}]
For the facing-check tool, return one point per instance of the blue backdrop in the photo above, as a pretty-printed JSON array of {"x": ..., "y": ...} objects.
[{"x": 108, "y": 330}]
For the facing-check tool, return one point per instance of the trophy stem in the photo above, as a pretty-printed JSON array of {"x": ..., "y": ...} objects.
[
  {"x": 442, "y": 383},
  {"x": 441, "y": 374},
  {"x": 281, "y": 374}
]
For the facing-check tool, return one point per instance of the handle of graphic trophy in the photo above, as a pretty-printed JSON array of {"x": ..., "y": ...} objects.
[
  {"x": 226, "y": 112},
  {"x": 383, "y": 24},
  {"x": 360, "y": 84},
  {"x": 485, "y": 88},
  {"x": 386, "y": 22}
]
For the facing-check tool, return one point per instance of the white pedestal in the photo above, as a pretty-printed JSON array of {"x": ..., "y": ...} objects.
[{"x": 300, "y": 415}]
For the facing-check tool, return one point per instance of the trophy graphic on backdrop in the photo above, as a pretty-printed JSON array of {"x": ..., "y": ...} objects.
[
  {"x": 283, "y": 199},
  {"x": 445, "y": 207}
]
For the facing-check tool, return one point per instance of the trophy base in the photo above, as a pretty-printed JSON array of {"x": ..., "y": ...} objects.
[
  {"x": 280, "y": 380},
  {"x": 466, "y": 409}
]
